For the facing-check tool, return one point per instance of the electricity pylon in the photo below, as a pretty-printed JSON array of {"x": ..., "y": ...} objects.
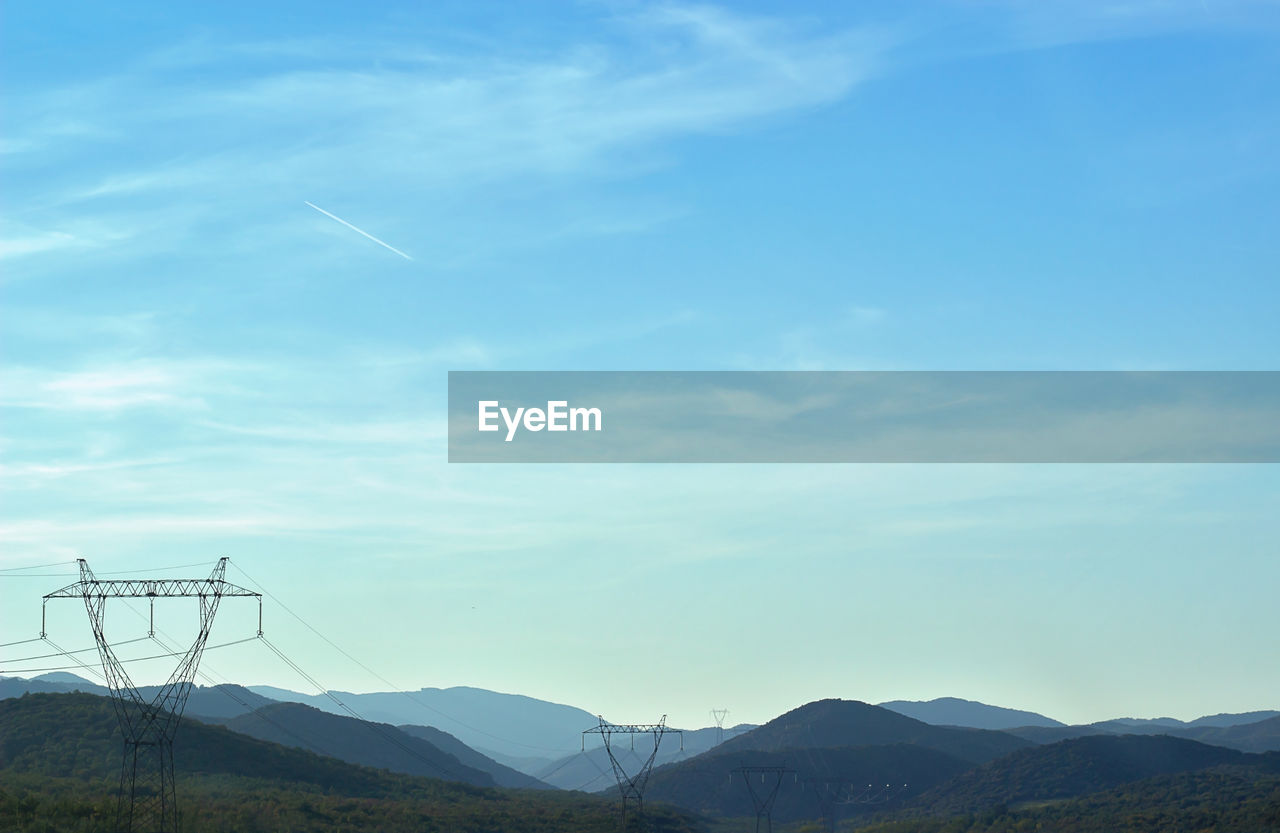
[
  {"x": 718, "y": 715},
  {"x": 631, "y": 787},
  {"x": 830, "y": 793},
  {"x": 148, "y": 799},
  {"x": 875, "y": 794},
  {"x": 770, "y": 783}
]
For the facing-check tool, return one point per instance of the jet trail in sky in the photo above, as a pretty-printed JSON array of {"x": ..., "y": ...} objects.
[{"x": 362, "y": 231}]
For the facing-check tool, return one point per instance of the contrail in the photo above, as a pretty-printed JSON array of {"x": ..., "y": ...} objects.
[{"x": 362, "y": 231}]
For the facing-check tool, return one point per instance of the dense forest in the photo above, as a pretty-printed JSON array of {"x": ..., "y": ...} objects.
[
  {"x": 60, "y": 753},
  {"x": 1225, "y": 800}
]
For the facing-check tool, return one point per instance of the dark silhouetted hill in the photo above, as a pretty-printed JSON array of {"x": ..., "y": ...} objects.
[
  {"x": 375, "y": 745},
  {"x": 78, "y": 735},
  {"x": 842, "y": 723},
  {"x": 883, "y": 776},
  {"x": 1261, "y": 736}
]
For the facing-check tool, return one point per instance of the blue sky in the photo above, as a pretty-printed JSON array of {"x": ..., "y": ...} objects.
[{"x": 195, "y": 363}]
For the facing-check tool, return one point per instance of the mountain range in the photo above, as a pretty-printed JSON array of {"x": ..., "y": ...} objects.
[{"x": 831, "y": 759}]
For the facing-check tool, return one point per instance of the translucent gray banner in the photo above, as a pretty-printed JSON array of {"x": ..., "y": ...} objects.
[{"x": 864, "y": 417}]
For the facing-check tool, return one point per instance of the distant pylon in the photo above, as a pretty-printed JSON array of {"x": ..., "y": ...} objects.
[
  {"x": 763, "y": 798},
  {"x": 718, "y": 715},
  {"x": 829, "y": 793},
  {"x": 148, "y": 801}
]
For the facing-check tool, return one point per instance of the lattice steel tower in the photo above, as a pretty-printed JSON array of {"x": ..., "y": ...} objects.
[
  {"x": 762, "y": 800},
  {"x": 148, "y": 800},
  {"x": 631, "y": 787},
  {"x": 718, "y": 715}
]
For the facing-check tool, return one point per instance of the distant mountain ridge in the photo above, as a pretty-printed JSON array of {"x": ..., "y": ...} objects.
[
  {"x": 509, "y": 724},
  {"x": 503, "y": 776},
  {"x": 1256, "y": 731},
  {"x": 953, "y": 711},
  {"x": 226, "y": 700},
  {"x": 537, "y": 736}
]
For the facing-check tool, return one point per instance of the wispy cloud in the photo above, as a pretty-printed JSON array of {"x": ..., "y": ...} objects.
[
  {"x": 52, "y": 470},
  {"x": 1010, "y": 24},
  {"x": 407, "y": 434},
  {"x": 11, "y": 247},
  {"x": 116, "y": 386},
  {"x": 399, "y": 128}
]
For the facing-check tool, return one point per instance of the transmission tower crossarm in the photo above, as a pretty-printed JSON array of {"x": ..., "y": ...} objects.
[
  {"x": 607, "y": 728},
  {"x": 88, "y": 585}
]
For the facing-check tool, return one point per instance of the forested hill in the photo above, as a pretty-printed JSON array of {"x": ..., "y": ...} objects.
[
  {"x": 78, "y": 735},
  {"x": 1232, "y": 799},
  {"x": 883, "y": 777},
  {"x": 1077, "y": 767},
  {"x": 60, "y": 764},
  {"x": 842, "y": 723}
]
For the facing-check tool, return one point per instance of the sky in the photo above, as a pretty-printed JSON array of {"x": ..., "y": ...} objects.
[{"x": 198, "y": 360}]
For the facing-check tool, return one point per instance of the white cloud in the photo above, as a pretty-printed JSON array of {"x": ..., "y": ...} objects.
[
  {"x": 866, "y": 316},
  {"x": 409, "y": 434},
  {"x": 37, "y": 243},
  {"x": 115, "y": 386}
]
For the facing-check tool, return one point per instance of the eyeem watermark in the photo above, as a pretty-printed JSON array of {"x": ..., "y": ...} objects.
[
  {"x": 865, "y": 417},
  {"x": 557, "y": 416}
]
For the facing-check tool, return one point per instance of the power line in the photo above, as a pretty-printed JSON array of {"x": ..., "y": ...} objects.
[
  {"x": 204, "y": 673},
  {"x": 35, "y": 566},
  {"x": 599, "y": 769},
  {"x": 375, "y": 674},
  {"x": 205, "y": 676},
  {"x": 123, "y": 661},
  {"x": 374, "y": 727},
  {"x": 20, "y": 642},
  {"x": 170, "y": 652},
  {"x": 81, "y": 664},
  {"x": 568, "y": 760},
  {"x": 106, "y": 573},
  {"x": 225, "y": 688},
  {"x": 69, "y": 653},
  {"x": 40, "y": 575}
]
